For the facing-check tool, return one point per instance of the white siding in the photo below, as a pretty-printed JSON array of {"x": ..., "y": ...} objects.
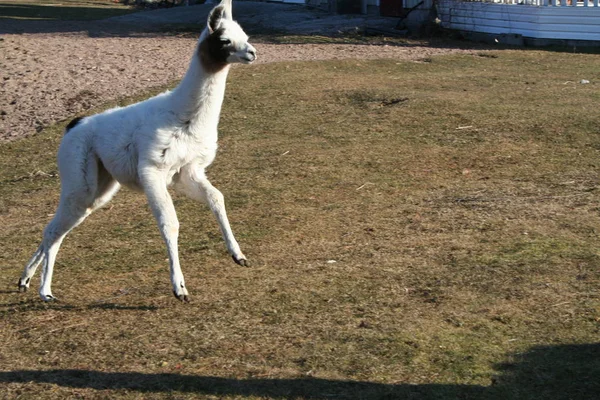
[{"x": 542, "y": 22}]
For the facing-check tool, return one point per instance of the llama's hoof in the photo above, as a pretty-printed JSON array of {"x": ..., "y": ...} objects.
[
  {"x": 23, "y": 285},
  {"x": 48, "y": 298},
  {"x": 241, "y": 261},
  {"x": 181, "y": 293},
  {"x": 184, "y": 298}
]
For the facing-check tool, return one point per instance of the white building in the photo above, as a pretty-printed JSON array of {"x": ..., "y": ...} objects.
[{"x": 570, "y": 20}]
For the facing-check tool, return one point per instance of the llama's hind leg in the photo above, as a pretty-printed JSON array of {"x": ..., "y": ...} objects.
[
  {"x": 68, "y": 216},
  {"x": 76, "y": 207},
  {"x": 84, "y": 190},
  {"x": 107, "y": 187},
  {"x": 63, "y": 221},
  {"x": 30, "y": 269}
]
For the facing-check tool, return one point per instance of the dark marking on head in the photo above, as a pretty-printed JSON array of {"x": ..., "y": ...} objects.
[
  {"x": 213, "y": 52},
  {"x": 73, "y": 123},
  {"x": 163, "y": 153}
]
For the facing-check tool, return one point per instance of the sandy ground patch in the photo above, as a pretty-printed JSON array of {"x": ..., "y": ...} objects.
[{"x": 51, "y": 71}]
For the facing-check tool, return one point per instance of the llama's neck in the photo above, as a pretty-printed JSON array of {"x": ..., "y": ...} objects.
[{"x": 198, "y": 98}]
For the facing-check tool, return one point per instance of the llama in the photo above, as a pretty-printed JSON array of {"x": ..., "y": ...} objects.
[{"x": 167, "y": 140}]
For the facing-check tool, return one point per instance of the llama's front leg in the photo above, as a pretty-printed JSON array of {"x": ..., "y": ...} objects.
[
  {"x": 162, "y": 207},
  {"x": 195, "y": 185},
  {"x": 216, "y": 202}
]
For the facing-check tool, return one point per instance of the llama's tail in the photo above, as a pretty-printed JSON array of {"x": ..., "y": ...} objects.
[{"x": 73, "y": 124}]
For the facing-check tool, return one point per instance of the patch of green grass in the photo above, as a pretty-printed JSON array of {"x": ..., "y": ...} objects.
[
  {"x": 441, "y": 246},
  {"x": 63, "y": 10}
]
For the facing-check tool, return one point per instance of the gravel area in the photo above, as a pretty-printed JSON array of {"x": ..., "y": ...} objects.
[{"x": 51, "y": 71}]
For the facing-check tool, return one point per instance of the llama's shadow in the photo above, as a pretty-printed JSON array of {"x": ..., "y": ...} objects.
[
  {"x": 37, "y": 305},
  {"x": 544, "y": 372},
  {"x": 114, "y": 306}
]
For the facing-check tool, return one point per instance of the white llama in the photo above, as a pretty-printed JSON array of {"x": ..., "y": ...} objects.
[{"x": 167, "y": 140}]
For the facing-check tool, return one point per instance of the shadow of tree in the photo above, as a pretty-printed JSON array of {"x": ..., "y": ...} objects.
[
  {"x": 99, "y": 28},
  {"x": 57, "y": 12},
  {"x": 307, "y": 388},
  {"x": 30, "y": 18},
  {"x": 552, "y": 372},
  {"x": 64, "y": 20},
  {"x": 544, "y": 372}
]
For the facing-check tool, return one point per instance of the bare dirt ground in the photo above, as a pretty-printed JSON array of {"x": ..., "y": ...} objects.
[{"x": 52, "y": 70}]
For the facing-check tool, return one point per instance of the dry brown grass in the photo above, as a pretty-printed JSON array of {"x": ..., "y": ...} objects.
[{"x": 458, "y": 197}]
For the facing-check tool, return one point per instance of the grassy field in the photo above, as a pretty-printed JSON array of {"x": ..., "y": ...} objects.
[
  {"x": 418, "y": 230},
  {"x": 62, "y": 10}
]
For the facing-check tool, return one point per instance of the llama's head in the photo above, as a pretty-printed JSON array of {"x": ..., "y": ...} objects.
[{"x": 224, "y": 42}]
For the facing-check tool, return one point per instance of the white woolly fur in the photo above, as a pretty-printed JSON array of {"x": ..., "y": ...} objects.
[{"x": 167, "y": 140}]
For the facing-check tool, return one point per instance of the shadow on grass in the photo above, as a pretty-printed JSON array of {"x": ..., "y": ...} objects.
[
  {"x": 31, "y": 18},
  {"x": 308, "y": 388},
  {"x": 35, "y": 305},
  {"x": 112, "y": 306},
  {"x": 544, "y": 372},
  {"x": 57, "y": 12}
]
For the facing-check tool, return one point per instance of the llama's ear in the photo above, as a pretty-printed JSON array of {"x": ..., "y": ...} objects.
[
  {"x": 215, "y": 17},
  {"x": 228, "y": 8}
]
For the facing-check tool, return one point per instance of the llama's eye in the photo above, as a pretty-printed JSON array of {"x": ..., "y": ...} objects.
[{"x": 225, "y": 41}]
